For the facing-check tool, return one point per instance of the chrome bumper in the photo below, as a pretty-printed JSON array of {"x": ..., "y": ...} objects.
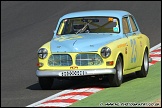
[{"x": 69, "y": 73}]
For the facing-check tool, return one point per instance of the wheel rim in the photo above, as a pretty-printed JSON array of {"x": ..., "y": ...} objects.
[
  {"x": 119, "y": 69},
  {"x": 145, "y": 62}
]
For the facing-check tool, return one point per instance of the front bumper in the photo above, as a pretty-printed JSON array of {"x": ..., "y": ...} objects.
[{"x": 69, "y": 73}]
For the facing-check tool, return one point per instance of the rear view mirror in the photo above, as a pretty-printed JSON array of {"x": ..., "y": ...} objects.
[
  {"x": 92, "y": 20},
  {"x": 78, "y": 26}
]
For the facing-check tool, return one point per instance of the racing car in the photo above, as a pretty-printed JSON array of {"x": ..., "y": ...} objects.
[{"x": 98, "y": 43}]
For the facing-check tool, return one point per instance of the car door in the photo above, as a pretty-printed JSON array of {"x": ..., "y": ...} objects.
[
  {"x": 136, "y": 42},
  {"x": 131, "y": 56}
]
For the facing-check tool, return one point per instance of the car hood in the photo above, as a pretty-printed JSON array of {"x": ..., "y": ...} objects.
[{"x": 81, "y": 42}]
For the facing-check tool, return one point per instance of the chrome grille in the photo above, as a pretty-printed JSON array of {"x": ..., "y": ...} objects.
[
  {"x": 88, "y": 60},
  {"x": 60, "y": 60}
]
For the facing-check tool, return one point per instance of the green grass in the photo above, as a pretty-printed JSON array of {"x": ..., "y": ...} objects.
[{"x": 146, "y": 89}]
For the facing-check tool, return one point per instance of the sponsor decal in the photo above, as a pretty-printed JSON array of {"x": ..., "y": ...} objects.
[
  {"x": 125, "y": 50},
  {"x": 122, "y": 45},
  {"x": 110, "y": 19},
  {"x": 74, "y": 67}
]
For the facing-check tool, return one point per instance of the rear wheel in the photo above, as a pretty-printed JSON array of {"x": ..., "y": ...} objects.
[
  {"x": 46, "y": 82},
  {"x": 145, "y": 66},
  {"x": 115, "y": 80}
]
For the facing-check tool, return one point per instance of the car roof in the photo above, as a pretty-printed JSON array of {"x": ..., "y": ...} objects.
[{"x": 113, "y": 13}]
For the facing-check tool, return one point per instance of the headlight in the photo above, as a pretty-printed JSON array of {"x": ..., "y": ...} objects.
[
  {"x": 105, "y": 52},
  {"x": 42, "y": 53}
]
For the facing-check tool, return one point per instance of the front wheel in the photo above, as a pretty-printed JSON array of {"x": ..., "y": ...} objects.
[
  {"x": 46, "y": 82},
  {"x": 115, "y": 80},
  {"x": 145, "y": 66}
]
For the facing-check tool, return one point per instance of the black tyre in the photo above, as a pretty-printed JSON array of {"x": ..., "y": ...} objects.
[
  {"x": 145, "y": 66},
  {"x": 46, "y": 82},
  {"x": 115, "y": 80}
]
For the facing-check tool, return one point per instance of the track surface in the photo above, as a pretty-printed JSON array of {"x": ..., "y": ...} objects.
[{"x": 26, "y": 25}]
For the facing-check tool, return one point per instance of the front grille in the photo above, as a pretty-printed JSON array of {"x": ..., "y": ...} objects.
[
  {"x": 88, "y": 60},
  {"x": 60, "y": 60}
]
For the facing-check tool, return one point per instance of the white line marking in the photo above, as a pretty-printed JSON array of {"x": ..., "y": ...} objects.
[
  {"x": 88, "y": 90},
  {"x": 156, "y": 58},
  {"x": 53, "y": 104},
  {"x": 159, "y": 47},
  {"x": 77, "y": 97},
  {"x": 93, "y": 90},
  {"x": 80, "y": 90},
  {"x": 64, "y": 97},
  {"x": 155, "y": 53}
]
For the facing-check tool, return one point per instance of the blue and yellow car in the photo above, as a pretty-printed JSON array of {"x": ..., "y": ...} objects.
[{"x": 100, "y": 43}]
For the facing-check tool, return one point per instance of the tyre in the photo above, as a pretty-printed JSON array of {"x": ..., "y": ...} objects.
[
  {"x": 115, "y": 80},
  {"x": 145, "y": 66},
  {"x": 45, "y": 82}
]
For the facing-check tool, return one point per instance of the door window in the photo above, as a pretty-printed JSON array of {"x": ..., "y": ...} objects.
[
  {"x": 125, "y": 25},
  {"x": 133, "y": 25}
]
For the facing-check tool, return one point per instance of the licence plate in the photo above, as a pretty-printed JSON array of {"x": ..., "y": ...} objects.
[{"x": 74, "y": 73}]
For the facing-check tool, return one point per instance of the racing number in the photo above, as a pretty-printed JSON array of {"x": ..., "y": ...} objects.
[
  {"x": 62, "y": 38},
  {"x": 134, "y": 51}
]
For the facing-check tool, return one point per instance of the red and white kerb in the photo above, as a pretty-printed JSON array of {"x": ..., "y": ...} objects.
[{"x": 155, "y": 55}]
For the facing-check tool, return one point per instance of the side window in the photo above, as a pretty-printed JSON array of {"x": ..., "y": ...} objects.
[
  {"x": 125, "y": 25},
  {"x": 133, "y": 25}
]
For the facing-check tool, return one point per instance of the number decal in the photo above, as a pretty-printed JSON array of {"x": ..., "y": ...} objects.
[
  {"x": 134, "y": 51},
  {"x": 63, "y": 38}
]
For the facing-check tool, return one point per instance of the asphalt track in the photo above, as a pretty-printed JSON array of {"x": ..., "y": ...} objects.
[{"x": 26, "y": 25}]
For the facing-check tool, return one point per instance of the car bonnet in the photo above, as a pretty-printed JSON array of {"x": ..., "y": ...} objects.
[{"x": 84, "y": 42}]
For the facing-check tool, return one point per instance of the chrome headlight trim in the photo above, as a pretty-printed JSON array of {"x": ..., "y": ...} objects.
[
  {"x": 105, "y": 52},
  {"x": 42, "y": 53}
]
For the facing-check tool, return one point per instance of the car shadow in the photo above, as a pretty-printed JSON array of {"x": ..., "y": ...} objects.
[
  {"x": 35, "y": 86},
  {"x": 57, "y": 85},
  {"x": 104, "y": 83},
  {"x": 129, "y": 77},
  {"x": 81, "y": 83}
]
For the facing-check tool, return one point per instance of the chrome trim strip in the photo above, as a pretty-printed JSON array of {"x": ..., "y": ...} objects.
[{"x": 58, "y": 73}]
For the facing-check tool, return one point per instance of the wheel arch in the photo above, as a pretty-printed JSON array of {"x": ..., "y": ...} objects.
[
  {"x": 145, "y": 48},
  {"x": 122, "y": 57}
]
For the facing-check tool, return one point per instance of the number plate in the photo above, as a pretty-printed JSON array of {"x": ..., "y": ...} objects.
[{"x": 73, "y": 73}]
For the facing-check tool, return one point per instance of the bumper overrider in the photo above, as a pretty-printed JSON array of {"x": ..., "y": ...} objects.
[{"x": 69, "y": 73}]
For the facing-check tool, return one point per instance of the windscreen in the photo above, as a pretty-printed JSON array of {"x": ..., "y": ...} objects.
[{"x": 89, "y": 25}]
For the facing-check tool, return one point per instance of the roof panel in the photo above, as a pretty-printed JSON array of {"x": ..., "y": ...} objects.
[{"x": 115, "y": 13}]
